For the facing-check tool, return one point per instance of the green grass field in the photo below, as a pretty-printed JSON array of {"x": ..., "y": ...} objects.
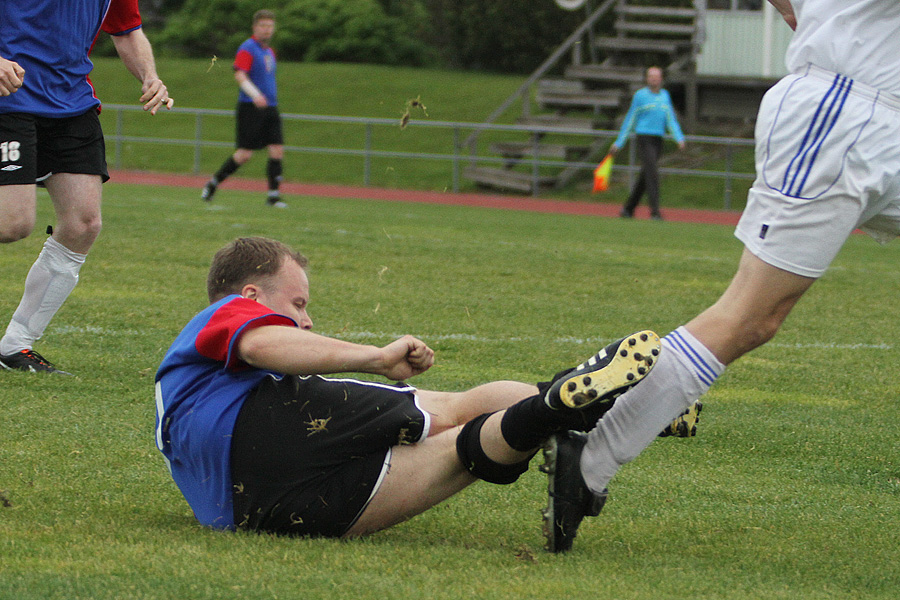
[
  {"x": 791, "y": 489},
  {"x": 373, "y": 91}
]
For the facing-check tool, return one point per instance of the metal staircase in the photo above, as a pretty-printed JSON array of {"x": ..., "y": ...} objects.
[{"x": 601, "y": 64}]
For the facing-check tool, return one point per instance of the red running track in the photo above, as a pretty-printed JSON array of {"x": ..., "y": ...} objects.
[{"x": 396, "y": 195}]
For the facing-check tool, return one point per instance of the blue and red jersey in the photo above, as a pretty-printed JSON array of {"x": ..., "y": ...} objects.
[
  {"x": 200, "y": 388},
  {"x": 259, "y": 63},
  {"x": 51, "y": 40}
]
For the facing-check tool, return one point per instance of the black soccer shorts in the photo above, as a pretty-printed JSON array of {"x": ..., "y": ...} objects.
[
  {"x": 308, "y": 453},
  {"x": 258, "y": 127},
  {"x": 33, "y": 147}
]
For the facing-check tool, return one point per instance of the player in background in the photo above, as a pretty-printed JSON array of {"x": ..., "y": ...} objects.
[
  {"x": 257, "y": 439},
  {"x": 50, "y": 133},
  {"x": 827, "y": 162},
  {"x": 258, "y": 119}
]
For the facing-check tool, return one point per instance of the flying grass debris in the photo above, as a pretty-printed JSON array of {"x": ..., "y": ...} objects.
[{"x": 410, "y": 106}]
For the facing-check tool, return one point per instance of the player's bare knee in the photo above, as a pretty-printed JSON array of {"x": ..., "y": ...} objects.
[
  {"x": 88, "y": 229},
  {"x": 759, "y": 332},
  {"x": 15, "y": 230}
]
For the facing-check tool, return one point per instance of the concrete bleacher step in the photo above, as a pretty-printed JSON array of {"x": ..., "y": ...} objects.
[
  {"x": 658, "y": 11},
  {"x": 555, "y": 151},
  {"x": 626, "y": 44},
  {"x": 627, "y": 76},
  {"x": 653, "y": 27},
  {"x": 579, "y": 100},
  {"x": 558, "y": 122},
  {"x": 506, "y": 178}
]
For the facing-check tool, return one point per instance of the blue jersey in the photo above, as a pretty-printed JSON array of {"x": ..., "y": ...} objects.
[
  {"x": 259, "y": 64},
  {"x": 51, "y": 40},
  {"x": 200, "y": 388},
  {"x": 650, "y": 114}
]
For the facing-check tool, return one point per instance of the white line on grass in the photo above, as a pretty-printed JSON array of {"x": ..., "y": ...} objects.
[
  {"x": 596, "y": 341},
  {"x": 480, "y": 339}
]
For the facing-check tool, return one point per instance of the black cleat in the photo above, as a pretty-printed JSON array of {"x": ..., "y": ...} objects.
[
  {"x": 608, "y": 374},
  {"x": 569, "y": 499},
  {"x": 686, "y": 423},
  {"x": 276, "y": 202},
  {"x": 208, "y": 191},
  {"x": 28, "y": 360}
]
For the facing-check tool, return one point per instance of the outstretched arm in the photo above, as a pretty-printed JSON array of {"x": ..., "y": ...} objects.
[
  {"x": 627, "y": 126},
  {"x": 11, "y": 76},
  {"x": 296, "y": 351},
  {"x": 135, "y": 51},
  {"x": 786, "y": 10}
]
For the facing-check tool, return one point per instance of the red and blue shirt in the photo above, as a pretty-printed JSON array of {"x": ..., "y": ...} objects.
[
  {"x": 200, "y": 388},
  {"x": 51, "y": 40},
  {"x": 259, "y": 63}
]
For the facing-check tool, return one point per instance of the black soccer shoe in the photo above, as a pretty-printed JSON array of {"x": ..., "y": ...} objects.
[
  {"x": 208, "y": 191},
  {"x": 608, "y": 374},
  {"x": 685, "y": 425},
  {"x": 569, "y": 499},
  {"x": 29, "y": 360}
]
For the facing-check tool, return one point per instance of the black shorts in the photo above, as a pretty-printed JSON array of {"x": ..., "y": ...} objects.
[
  {"x": 258, "y": 127},
  {"x": 33, "y": 148},
  {"x": 308, "y": 453}
]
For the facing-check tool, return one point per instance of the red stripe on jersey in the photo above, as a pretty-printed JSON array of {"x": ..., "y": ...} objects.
[
  {"x": 243, "y": 61},
  {"x": 220, "y": 334},
  {"x": 122, "y": 17}
]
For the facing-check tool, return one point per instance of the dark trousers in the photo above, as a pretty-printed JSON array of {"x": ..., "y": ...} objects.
[{"x": 649, "y": 149}]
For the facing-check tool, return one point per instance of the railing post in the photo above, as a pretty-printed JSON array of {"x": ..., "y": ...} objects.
[
  {"x": 118, "y": 149},
  {"x": 367, "y": 167},
  {"x": 729, "y": 164},
  {"x": 455, "y": 160},
  {"x": 198, "y": 138},
  {"x": 535, "y": 164}
]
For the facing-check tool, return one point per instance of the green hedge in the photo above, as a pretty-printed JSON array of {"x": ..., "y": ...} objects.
[{"x": 512, "y": 36}]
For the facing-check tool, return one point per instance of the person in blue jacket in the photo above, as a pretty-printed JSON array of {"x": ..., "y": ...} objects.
[{"x": 651, "y": 115}]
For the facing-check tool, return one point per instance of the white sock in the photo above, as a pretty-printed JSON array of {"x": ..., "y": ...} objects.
[
  {"x": 684, "y": 371},
  {"x": 49, "y": 282}
]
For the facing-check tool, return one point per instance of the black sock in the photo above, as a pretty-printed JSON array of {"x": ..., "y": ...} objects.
[
  {"x": 228, "y": 167},
  {"x": 273, "y": 174},
  {"x": 526, "y": 424}
]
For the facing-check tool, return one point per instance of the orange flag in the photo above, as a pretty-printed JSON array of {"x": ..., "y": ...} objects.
[{"x": 601, "y": 174}]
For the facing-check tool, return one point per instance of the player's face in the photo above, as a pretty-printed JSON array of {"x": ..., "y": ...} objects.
[
  {"x": 654, "y": 78},
  {"x": 288, "y": 293},
  {"x": 264, "y": 29}
]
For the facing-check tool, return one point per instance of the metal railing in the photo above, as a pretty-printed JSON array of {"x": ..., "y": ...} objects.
[{"x": 457, "y": 153}]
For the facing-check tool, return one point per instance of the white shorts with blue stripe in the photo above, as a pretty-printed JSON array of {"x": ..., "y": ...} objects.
[{"x": 827, "y": 162}]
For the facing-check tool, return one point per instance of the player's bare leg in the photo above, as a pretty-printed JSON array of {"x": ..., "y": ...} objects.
[
  {"x": 17, "y": 212},
  {"x": 747, "y": 315},
  {"x": 495, "y": 447},
  {"x": 452, "y": 409},
  {"x": 424, "y": 474},
  {"x": 751, "y": 310},
  {"x": 76, "y": 198}
]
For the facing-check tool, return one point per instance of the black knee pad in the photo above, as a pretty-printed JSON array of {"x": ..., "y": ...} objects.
[{"x": 476, "y": 462}]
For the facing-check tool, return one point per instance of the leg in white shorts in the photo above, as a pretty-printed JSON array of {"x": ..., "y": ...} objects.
[{"x": 828, "y": 159}]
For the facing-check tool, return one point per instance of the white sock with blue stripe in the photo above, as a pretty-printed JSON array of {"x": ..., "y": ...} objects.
[{"x": 684, "y": 372}]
